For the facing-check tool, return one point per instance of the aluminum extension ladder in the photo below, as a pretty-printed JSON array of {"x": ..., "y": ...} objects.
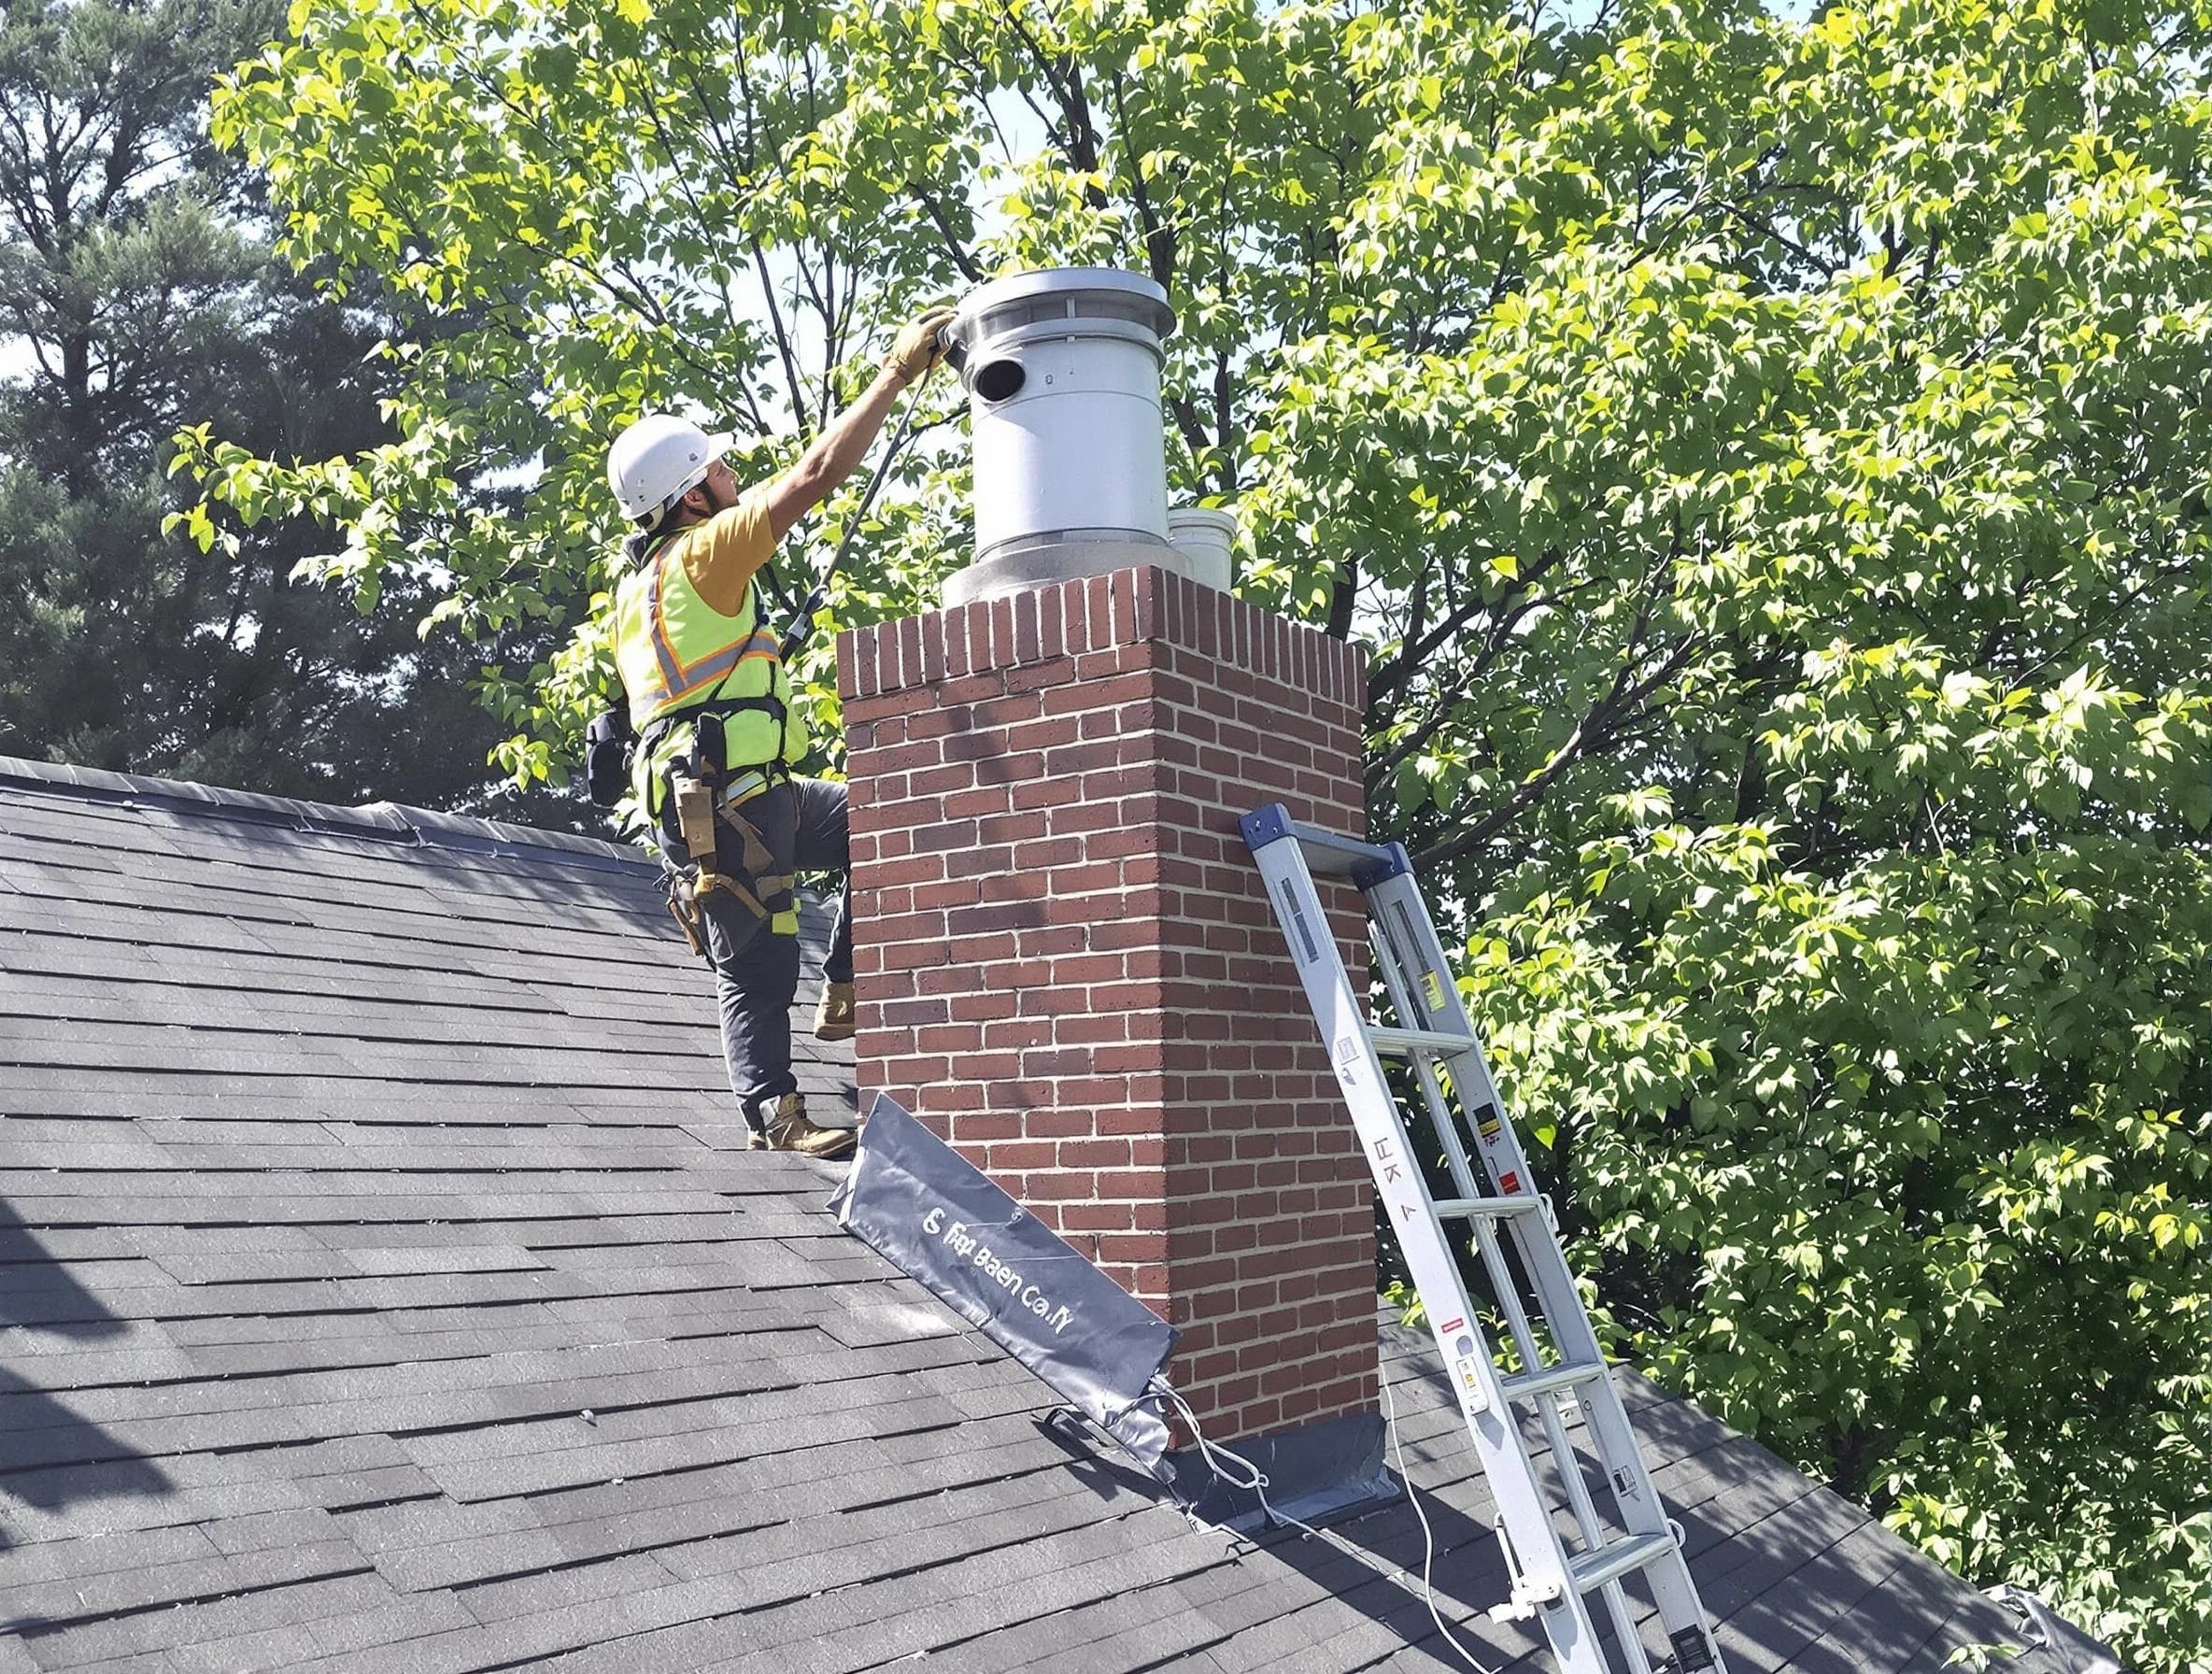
[{"x": 1538, "y": 1303}]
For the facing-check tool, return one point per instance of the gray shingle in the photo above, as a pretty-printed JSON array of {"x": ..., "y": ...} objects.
[
  {"x": 341, "y": 1173},
  {"x": 147, "y": 1582}
]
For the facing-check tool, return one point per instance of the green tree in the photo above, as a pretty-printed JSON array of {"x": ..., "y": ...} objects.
[
  {"x": 1837, "y": 807},
  {"x": 1764, "y": 456},
  {"x": 135, "y": 294}
]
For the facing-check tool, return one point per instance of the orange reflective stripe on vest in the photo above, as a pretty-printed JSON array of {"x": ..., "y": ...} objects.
[{"x": 680, "y": 679}]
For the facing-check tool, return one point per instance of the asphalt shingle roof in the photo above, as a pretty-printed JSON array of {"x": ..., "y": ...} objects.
[{"x": 384, "y": 1286}]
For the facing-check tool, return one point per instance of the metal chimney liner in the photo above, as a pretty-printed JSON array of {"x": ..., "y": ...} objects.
[{"x": 1062, "y": 370}]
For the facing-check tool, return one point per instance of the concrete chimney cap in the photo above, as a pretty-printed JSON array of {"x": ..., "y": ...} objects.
[{"x": 1081, "y": 300}]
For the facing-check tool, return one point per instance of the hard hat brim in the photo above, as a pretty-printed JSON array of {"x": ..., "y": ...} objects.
[{"x": 717, "y": 444}]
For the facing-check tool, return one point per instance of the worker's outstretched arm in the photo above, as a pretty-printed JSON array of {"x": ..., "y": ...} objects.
[{"x": 845, "y": 443}]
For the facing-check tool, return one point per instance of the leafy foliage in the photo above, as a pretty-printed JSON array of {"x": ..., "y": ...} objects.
[
  {"x": 134, "y": 294},
  {"x": 1766, "y": 457}
]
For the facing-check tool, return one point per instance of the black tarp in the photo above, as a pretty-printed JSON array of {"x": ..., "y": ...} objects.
[{"x": 933, "y": 1216}]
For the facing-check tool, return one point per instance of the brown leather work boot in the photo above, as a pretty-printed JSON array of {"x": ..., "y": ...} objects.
[
  {"x": 834, "y": 1017},
  {"x": 788, "y": 1130}
]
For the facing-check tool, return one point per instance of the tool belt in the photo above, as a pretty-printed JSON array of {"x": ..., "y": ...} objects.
[{"x": 708, "y": 798}]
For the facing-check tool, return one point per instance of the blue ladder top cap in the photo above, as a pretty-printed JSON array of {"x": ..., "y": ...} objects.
[
  {"x": 1266, "y": 825},
  {"x": 1330, "y": 856}
]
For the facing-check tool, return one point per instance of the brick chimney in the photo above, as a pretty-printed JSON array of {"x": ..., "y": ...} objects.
[{"x": 1068, "y": 967}]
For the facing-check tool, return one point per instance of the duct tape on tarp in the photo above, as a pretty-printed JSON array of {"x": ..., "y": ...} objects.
[{"x": 935, "y": 1219}]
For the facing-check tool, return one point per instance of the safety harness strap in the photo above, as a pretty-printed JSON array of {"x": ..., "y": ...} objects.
[{"x": 706, "y": 799}]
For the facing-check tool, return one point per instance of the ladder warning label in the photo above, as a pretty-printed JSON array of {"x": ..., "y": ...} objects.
[
  {"x": 1432, "y": 991},
  {"x": 1470, "y": 1384},
  {"x": 1348, "y": 1060},
  {"x": 1293, "y": 911},
  {"x": 1488, "y": 1124}
]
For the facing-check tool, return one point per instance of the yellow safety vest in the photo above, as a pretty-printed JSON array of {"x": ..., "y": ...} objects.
[{"x": 679, "y": 657}]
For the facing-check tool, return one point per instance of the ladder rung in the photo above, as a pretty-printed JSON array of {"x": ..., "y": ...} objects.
[
  {"x": 1405, "y": 1043},
  {"x": 1529, "y": 1384},
  {"x": 1593, "y": 1569},
  {"x": 1496, "y": 1208},
  {"x": 1327, "y": 855}
]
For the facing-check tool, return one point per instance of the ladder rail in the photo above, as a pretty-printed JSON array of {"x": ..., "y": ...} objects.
[
  {"x": 1500, "y": 1147},
  {"x": 1402, "y": 921},
  {"x": 1398, "y": 907},
  {"x": 1503, "y": 1284},
  {"x": 1439, "y": 1041},
  {"x": 1553, "y": 1421},
  {"x": 1461, "y": 1341},
  {"x": 1432, "y": 1094}
]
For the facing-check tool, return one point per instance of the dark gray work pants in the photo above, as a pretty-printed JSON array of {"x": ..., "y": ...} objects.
[{"x": 757, "y": 971}]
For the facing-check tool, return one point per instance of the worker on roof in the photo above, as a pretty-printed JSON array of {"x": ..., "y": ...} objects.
[{"x": 711, "y": 704}]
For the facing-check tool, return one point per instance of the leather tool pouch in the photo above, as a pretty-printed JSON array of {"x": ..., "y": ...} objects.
[
  {"x": 695, "y": 819},
  {"x": 683, "y": 906}
]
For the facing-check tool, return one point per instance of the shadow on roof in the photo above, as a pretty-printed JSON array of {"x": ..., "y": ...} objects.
[
  {"x": 56, "y": 1457},
  {"x": 1784, "y": 1568}
]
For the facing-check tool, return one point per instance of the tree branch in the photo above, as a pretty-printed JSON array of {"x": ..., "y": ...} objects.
[
  {"x": 1603, "y": 724},
  {"x": 935, "y": 210},
  {"x": 1450, "y": 698}
]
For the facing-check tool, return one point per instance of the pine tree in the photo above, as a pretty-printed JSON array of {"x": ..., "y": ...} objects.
[{"x": 139, "y": 292}]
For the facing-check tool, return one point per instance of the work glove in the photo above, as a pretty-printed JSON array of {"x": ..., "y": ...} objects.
[{"x": 920, "y": 345}]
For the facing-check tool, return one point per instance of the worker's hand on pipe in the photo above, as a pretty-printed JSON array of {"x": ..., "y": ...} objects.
[{"x": 920, "y": 346}]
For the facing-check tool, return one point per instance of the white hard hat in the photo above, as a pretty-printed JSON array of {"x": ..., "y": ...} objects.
[{"x": 657, "y": 459}]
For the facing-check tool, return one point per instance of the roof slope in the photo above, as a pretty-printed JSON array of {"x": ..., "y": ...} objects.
[{"x": 383, "y": 1285}]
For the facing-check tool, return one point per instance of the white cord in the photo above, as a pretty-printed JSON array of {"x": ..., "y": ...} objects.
[
  {"x": 1254, "y": 1477},
  {"x": 1428, "y": 1539},
  {"x": 1255, "y": 1480}
]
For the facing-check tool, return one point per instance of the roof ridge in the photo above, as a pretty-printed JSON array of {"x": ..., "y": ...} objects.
[{"x": 382, "y": 821}]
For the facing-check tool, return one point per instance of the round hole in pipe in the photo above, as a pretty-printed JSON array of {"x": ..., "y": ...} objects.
[{"x": 998, "y": 380}]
